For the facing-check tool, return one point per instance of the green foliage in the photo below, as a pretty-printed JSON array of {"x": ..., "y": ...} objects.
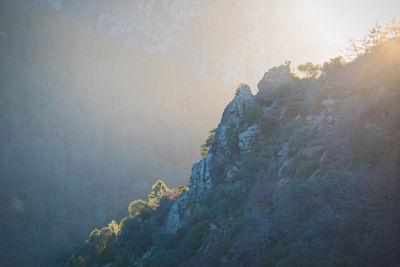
[
  {"x": 103, "y": 242},
  {"x": 159, "y": 190},
  {"x": 333, "y": 65},
  {"x": 329, "y": 214},
  {"x": 253, "y": 115},
  {"x": 232, "y": 135},
  {"x": 301, "y": 168},
  {"x": 368, "y": 143},
  {"x": 379, "y": 34},
  {"x": 252, "y": 166},
  {"x": 208, "y": 143},
  {"x": 300, "y": 138},
  {"x": 307, "y": 168},
  {"x": 136, "y": 236},
  {"x": 310, "y": 70},
  {"x": 290, "y": 169},
  {"x": 164, "y": 258},
  {"x": 267, "y": 125},
  {"x": 182, "y": 188},
  {"x": 140, "y": 208},
  {"x": 294, "y": 108},
  {"x": 341, "y": 214},
  {"x": 76, "y": 262},
  {"x": 144, "y": 209}
]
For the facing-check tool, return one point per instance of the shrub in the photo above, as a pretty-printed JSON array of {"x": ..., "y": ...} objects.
[
  {"x": 164, "y": 258},
  {"x": 182, "y": 188},
  {"x": 267, "y": 125},
  {"x": 77, "y": 262},
  {"x": 293, "y": 109},
  {"x": 159, "y": 190},
  {"x": 253, "y": 115},
  {"x": 232, "y": 135},
  {"x": 307, "y": 168},
  {"x": 299, "y": 138},
  {"x": 310, "y": 70},
  {"x": 251, "y": 166},
  {"x": 103, "y": 242},
  {"x": 334, "y": 64},
  {"x": 368, "y": 143},
  {"x": 138, "y": 208},
  {"x": 290, "y": 169}
]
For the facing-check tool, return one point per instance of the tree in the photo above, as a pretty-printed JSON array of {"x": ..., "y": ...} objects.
[
  {"x": 392, "y": 29},
  {"x": 310, "y": 70},
  {"x": 159, "y": 189},
  {"x": 333, "y": 64},
  {"x": 136, "y": 207},
  {"x": 375, "y": 35}
]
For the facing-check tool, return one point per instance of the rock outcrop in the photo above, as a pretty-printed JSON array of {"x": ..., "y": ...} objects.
[
  {"x": 273, "y": 80},
  {"x": 247, "y": 138},
  {"x": 206, "y": 170},
  {"x": 231, "y": 117}
]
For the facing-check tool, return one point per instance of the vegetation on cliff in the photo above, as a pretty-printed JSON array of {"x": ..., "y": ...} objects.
[{"x": 305, "y": 173}]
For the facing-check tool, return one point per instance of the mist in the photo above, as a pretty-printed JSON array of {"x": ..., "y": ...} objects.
[{"x": 101, "y": 99}]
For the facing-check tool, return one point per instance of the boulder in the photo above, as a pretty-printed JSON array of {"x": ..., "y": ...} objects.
[{"x": 274, "y": 79}]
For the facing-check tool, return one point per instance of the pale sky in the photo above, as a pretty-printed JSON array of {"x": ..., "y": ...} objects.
[
  {"x": 316, "y": 30},
  {"x": 336, "y": 21}
]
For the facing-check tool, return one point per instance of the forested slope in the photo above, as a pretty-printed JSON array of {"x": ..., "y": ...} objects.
[{"x": 304, "y": 173}]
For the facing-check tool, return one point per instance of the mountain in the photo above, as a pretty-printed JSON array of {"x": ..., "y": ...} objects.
[
  {"x": 228, "y": 40},
  {"x": 304, "y": 173}
]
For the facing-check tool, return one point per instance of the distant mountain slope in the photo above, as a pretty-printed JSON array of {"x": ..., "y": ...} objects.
[
  {"x": 305, "y": 173},
  {"x": 230, "y": 40},
  {"x": 87, "y": 125}
]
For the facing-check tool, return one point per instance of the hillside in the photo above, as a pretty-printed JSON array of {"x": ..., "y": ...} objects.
[{"x": 304, "y": 173}]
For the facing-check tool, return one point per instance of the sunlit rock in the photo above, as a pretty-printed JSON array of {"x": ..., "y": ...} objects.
[{"x": 274, "y": 79}]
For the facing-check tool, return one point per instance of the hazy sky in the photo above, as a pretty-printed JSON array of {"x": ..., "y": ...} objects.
[
  {"x": 337, "y": 21},
  {"x": 310, "y": 30},
  {"x": 234, "y": 40}
]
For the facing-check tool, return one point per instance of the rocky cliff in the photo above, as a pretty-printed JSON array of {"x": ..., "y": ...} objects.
[
  {"x": 210, "y": 168},
  {"x": 304, "y": 173}
]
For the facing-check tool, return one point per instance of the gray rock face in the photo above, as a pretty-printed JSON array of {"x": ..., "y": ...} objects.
[
  {"x": 247, "y": 138},
  {"x": 200, "y": 183},
  {"x": 231, "y": 117},
  {"x": 201, "y": 179},
  {"x": 273, "y": 80},
  {"x": 283, "y": 158},
  {"x": 324, "y": 118},
  {"x": 177, "y": 215}
]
